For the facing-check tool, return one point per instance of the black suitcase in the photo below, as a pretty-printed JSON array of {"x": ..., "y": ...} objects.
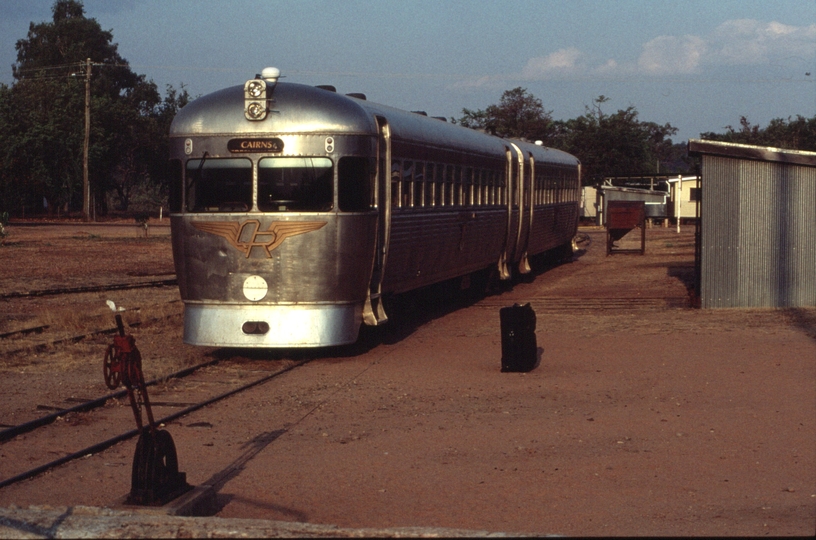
[{"x": 519, "y": 351}]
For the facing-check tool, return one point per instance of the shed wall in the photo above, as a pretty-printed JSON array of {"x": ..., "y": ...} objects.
[
  {"x": 681, "y": 203},
  {"x": 589, "y": 202},
  {"x": 758, "y": 241}
]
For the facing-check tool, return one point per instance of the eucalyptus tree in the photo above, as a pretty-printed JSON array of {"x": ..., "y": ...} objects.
[
  {"x": 617, "y": 144},
  {"x": 45, "y": 122},
  {"x": 792, "y": 133},
  {"x": 518, "y": 114}
]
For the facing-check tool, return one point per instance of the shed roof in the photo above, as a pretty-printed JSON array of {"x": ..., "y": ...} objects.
[{"x": 747, "y": 151}]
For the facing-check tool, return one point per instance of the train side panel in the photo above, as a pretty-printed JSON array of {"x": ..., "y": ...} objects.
[{"x": 435, "y": 245}]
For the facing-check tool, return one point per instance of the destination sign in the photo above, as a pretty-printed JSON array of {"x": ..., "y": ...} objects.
[{"x": 255, "y": 145}]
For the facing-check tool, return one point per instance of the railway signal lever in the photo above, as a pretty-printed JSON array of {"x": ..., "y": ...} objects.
[{"x": 155, "y": 478}]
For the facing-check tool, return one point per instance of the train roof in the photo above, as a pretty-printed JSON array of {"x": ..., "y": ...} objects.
[
  {"x": 303, "y": 109},
  {"x": 296, "y": 108},
  {"x": 546, "y": 154}
]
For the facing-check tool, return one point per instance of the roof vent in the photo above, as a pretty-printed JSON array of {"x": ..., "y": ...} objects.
[
  {"x": 357, "y": 95},
  {"x": 328, "y": 87},
  {"x": 270, "y": 74}
]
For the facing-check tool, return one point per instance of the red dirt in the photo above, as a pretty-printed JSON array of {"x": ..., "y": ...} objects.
[{"x": 643, "y": 418}]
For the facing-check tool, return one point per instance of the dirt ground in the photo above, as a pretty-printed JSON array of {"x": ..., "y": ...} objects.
[{"x": 644, "y": 416}]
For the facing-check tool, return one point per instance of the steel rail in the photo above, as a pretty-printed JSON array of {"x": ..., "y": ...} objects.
[
  {"x": 91, "y": 288},
  {"x": 98, "y": 447},
  {"x": 25, "y": 331},
  {"x": 76, "y": 339},
  {"x": 26, "y": 427},
  {"x": 69, "y": 340}
]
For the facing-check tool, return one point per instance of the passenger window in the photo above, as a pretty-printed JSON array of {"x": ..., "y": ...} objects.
[
  {"x": 407, "y": 184},
  {"x": 430, "y": 186},
  {"x": 419, "y": 183},
  {"x": 457, "y": 186},
  {"x": 441, "y": 187},
  {"x": 293, "y": 184},
  {"x": 467, "y": 186},
  {"x": 176, "y": 183},
  {"x": 354, "y": 184},
  {"x": 477, "y": 187},
  {"x": 396, "y": 185},
  {"x": 219, "y": 185}
]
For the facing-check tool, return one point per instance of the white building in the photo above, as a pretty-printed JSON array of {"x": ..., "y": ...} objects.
[{"x": 684, "y": 194}]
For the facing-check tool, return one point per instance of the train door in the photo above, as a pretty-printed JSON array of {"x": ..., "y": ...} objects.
[
  {"x": 511, "y": 175},
  {"x": 527, "y": 202},
  {"x": 519, "y": 208},
  {"x": 373, "y": 312}
]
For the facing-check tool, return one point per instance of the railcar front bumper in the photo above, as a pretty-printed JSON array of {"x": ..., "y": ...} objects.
[{"x": 271, "y": 326}]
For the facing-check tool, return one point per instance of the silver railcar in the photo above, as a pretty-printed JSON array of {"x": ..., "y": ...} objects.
[{"x": 295, "y": 209}]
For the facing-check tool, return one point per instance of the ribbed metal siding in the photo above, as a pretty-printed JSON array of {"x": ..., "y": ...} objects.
[{"x": 758, "y": 242}]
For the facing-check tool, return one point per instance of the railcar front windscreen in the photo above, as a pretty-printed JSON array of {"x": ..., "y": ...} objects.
[
  {"x": 219, "y": 185},
  {"x": 295, "y": 184}
]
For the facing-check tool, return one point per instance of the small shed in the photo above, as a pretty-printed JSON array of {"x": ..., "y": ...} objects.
[{"x": 756, "y": 245}]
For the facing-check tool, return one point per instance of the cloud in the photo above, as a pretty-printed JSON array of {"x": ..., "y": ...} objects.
[
  {"x": 737, "y": 42},
  {"x": 611, "y": 66},
  {"x": 563, "y": 61},
  {"x": 672, "y": 55},
  {"x": 751, "y": 42}
]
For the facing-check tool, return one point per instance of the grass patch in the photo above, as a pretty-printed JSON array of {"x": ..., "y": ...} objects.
[{"x": 87, "y": 237}]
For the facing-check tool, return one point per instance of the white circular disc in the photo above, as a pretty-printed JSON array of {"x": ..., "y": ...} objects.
[{"x": 255, "y": 288}]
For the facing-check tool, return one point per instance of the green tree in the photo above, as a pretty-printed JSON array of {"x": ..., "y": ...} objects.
[
  {"x": 43, "y": 114},
  {"x": 143, "y": 166},
  {"x": 615, "y": 144},
  {"x": 519, "y": 114},
  {"x": 797, "y": 134}
]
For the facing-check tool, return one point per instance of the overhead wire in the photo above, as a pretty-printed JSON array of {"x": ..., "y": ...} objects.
[{"x": 73, "y": 65}]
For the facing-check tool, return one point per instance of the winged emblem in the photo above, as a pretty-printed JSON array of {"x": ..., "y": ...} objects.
[{"x": 250, "y": 231}]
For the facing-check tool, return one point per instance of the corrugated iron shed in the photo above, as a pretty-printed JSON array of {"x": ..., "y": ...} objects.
[{"x": 757, "y": 243}]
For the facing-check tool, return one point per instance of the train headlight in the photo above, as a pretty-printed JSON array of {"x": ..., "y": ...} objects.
[
  {"x": 255, "y": 111},
  {"x": 255, "y": 99},
  {"x": 255, "y": 89}
]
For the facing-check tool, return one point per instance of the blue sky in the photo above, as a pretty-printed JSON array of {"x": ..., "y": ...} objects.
[{"x": 696, "y": 64}]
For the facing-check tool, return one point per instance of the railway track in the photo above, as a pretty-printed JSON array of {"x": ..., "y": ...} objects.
[
  {"x": 50, "y": 334},
  {"x": 90, "y": 288},
  {"x": 76, "y": 338},
  {"x": 8, "y": 435},
  {"x": 87, "y": 405}
]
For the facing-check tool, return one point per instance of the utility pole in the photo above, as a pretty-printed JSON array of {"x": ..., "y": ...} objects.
[{"x": 86, "y": 186}]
